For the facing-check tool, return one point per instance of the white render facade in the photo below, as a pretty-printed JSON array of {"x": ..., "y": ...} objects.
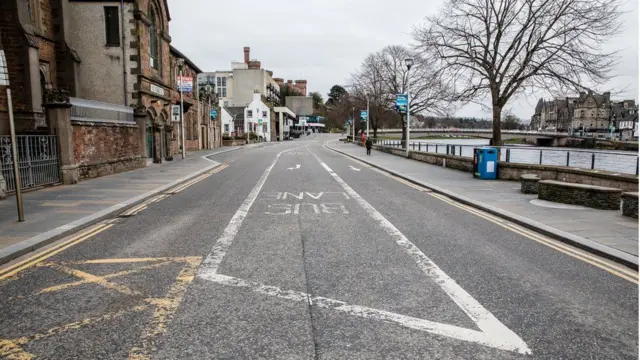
[{"x": 257, "y": 117}]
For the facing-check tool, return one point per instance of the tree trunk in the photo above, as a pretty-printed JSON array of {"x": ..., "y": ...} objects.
[
  {"x": 375, "y": 132},
  {"x": 496, "y": 140}
]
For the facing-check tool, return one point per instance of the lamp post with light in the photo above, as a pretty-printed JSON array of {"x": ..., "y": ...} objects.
[{"x": 408, "y": 62}]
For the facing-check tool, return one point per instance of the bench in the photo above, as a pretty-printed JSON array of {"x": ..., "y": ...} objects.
[
  {"x": 597, "y": 197},
  {"x": 630, "y": 204},
  {"x": 529, "y": 183}
]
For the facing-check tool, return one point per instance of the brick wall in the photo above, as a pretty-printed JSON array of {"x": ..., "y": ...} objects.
[{"x": 101, "y": 150}]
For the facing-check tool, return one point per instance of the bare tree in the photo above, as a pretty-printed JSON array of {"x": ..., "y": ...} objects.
[
  {"x": 382, "y": 75},
  {"x": 503, "y": 47}
]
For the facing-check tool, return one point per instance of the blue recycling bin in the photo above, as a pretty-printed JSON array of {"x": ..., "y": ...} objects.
[{"x": 485, "y": 163}]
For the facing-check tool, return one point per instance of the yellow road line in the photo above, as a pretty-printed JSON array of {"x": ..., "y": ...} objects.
[
  {"x": 89, "y": 278},
  {"x": 135, "y": 260},
  {"x": 184, "y": 186},
  {"x": 64, "y": 286},
  {"x": 612, "y": 268},
  {"x": 164, "y": 313},
  {"x": 133, "y": 210},
  {"x": 11, "y": 349},
  {"x": 573, "y": 252},
  {"x": 16, "y": 268}
]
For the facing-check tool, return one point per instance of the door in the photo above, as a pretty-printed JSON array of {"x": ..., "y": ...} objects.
[{"x": 150, "y": 147}]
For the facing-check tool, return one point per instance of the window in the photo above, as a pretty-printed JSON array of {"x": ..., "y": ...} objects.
[
  {"x": 153, "y": 41},
  {"x": 112, "y": 25},
  {"x": 221, "y": 82},
  {"x": 226, "y": 128},
  {"x": 264, "y": 114},
  {"x": 249, "y": 113}
]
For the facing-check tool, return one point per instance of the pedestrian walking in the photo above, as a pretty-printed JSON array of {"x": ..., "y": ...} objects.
[{"x": 369, "y": 145}]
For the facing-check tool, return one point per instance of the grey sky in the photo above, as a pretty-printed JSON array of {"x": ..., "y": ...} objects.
[{"x": 324, "y": 41}]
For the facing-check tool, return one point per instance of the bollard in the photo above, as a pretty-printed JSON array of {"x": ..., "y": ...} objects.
[
  {"x": 568, "y": 158},
  {"x": 593, "y": 161},
  {"x": 540, "y": 157}
]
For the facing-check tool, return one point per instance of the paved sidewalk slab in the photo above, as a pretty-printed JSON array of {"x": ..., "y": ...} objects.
[
  {"x": 52, "y": 213},
  {"x": 604, "y": 231}
]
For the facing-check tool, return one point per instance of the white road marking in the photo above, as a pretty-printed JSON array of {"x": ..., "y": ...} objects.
[
  {"x": 456, "y": 332},
  {"x": 295, "y": 168},
  {"x": 214, "y": 259},
  {"x": 493, "y": 333},
  {"x": 500, "y": 335},
  {"x": 354, "y": 168}
]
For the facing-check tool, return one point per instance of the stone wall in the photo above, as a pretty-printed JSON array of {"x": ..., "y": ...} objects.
[
  {"x": 630, "y": 204},
  {"x": 104, "y": 149},
  {"x": 596, "y": 197},
  {"x": 513, "y": 171},
  {"x": 233, "y": 142}
]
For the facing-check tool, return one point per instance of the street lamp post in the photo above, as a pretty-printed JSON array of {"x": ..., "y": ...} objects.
[
  {"x": 180, "y": 64},
  {"x": 408, "y": 62},
  {"x": 353, "y": 123},
  {"x": 368, "y": 115}
]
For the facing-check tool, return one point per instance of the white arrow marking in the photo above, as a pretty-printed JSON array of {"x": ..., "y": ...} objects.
[
  {"x": 353, "y": 168},
  {"x": 295, "y": 168}
]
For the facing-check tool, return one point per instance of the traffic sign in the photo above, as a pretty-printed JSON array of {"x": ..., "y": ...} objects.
[
  {"x": 213, "y": 114},
  {"x": 363, "y": 114}
]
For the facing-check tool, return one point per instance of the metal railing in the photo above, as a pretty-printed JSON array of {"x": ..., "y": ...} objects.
[
  {"x": 477, "y": 131},
  {"x": 96, "y": 111},
  {"x": 37, "y": 158},
  {"x": 595, "y": 160}
]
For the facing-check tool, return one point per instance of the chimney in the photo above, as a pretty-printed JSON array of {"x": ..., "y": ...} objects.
[
  {"x": 301, "y": 85},
  {"x": 280, "y": 81},
  {"x": 247, "y": 52},
  {"x": 254, "y": 64}
]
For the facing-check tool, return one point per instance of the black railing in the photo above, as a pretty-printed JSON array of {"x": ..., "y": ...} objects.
[{"x": 585, "y": 159}]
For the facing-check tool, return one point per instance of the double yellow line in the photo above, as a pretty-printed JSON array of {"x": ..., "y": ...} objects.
[
  {"x": 608, "y": 266},
  {"x": 180, "y": 188},
  {"x": 37, "y": 258}
]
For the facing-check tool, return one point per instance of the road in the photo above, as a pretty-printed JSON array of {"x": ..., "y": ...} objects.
[{"x": 292, "y": 251}]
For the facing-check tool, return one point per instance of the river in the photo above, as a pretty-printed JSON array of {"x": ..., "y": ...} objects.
[{"x": 616, "y": 161}]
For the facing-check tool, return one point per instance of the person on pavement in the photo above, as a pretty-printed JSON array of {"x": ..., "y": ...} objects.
[{"x": 369, "y": 145}]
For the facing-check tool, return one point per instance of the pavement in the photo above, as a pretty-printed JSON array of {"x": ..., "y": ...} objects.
[
  {"x": 54, "y": 212},
  {"x": 604, "y": 231},
  {"x": 296, "y": 252}
]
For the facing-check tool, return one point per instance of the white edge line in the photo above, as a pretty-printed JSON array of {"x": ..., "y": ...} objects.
[
  {"x": 214, "y": 259},
  {"x": 481, "y": 316}
]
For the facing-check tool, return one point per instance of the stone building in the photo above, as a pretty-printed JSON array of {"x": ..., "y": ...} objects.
[
  {"x": 38, "y": 58},
  {"x": 592, "y": 112},
  {"x": 299, "y": 85},
  {"x": 553, "y": 114},
  {"x": 193, "y": 121},
  {"x": 107, "y": 70}
]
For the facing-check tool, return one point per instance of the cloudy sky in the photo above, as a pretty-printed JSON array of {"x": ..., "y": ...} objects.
[{"x": 324, "y": 41}]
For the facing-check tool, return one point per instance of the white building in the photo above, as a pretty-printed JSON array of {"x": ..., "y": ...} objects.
[{"x": 257, "y": 117}]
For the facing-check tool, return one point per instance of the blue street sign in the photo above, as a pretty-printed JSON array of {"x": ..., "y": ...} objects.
[
  {"x": 213, "y": 114},
  {"x": 401, "y": 99},
  {"x": 363, "y": 114},
  {"x": 401, "y": 103}
]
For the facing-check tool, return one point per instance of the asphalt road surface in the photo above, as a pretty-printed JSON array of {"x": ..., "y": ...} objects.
[{"x": 292, "y": 251}]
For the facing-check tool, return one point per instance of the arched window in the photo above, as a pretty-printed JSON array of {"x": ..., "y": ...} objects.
[{"x": 153, "y": 39}]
